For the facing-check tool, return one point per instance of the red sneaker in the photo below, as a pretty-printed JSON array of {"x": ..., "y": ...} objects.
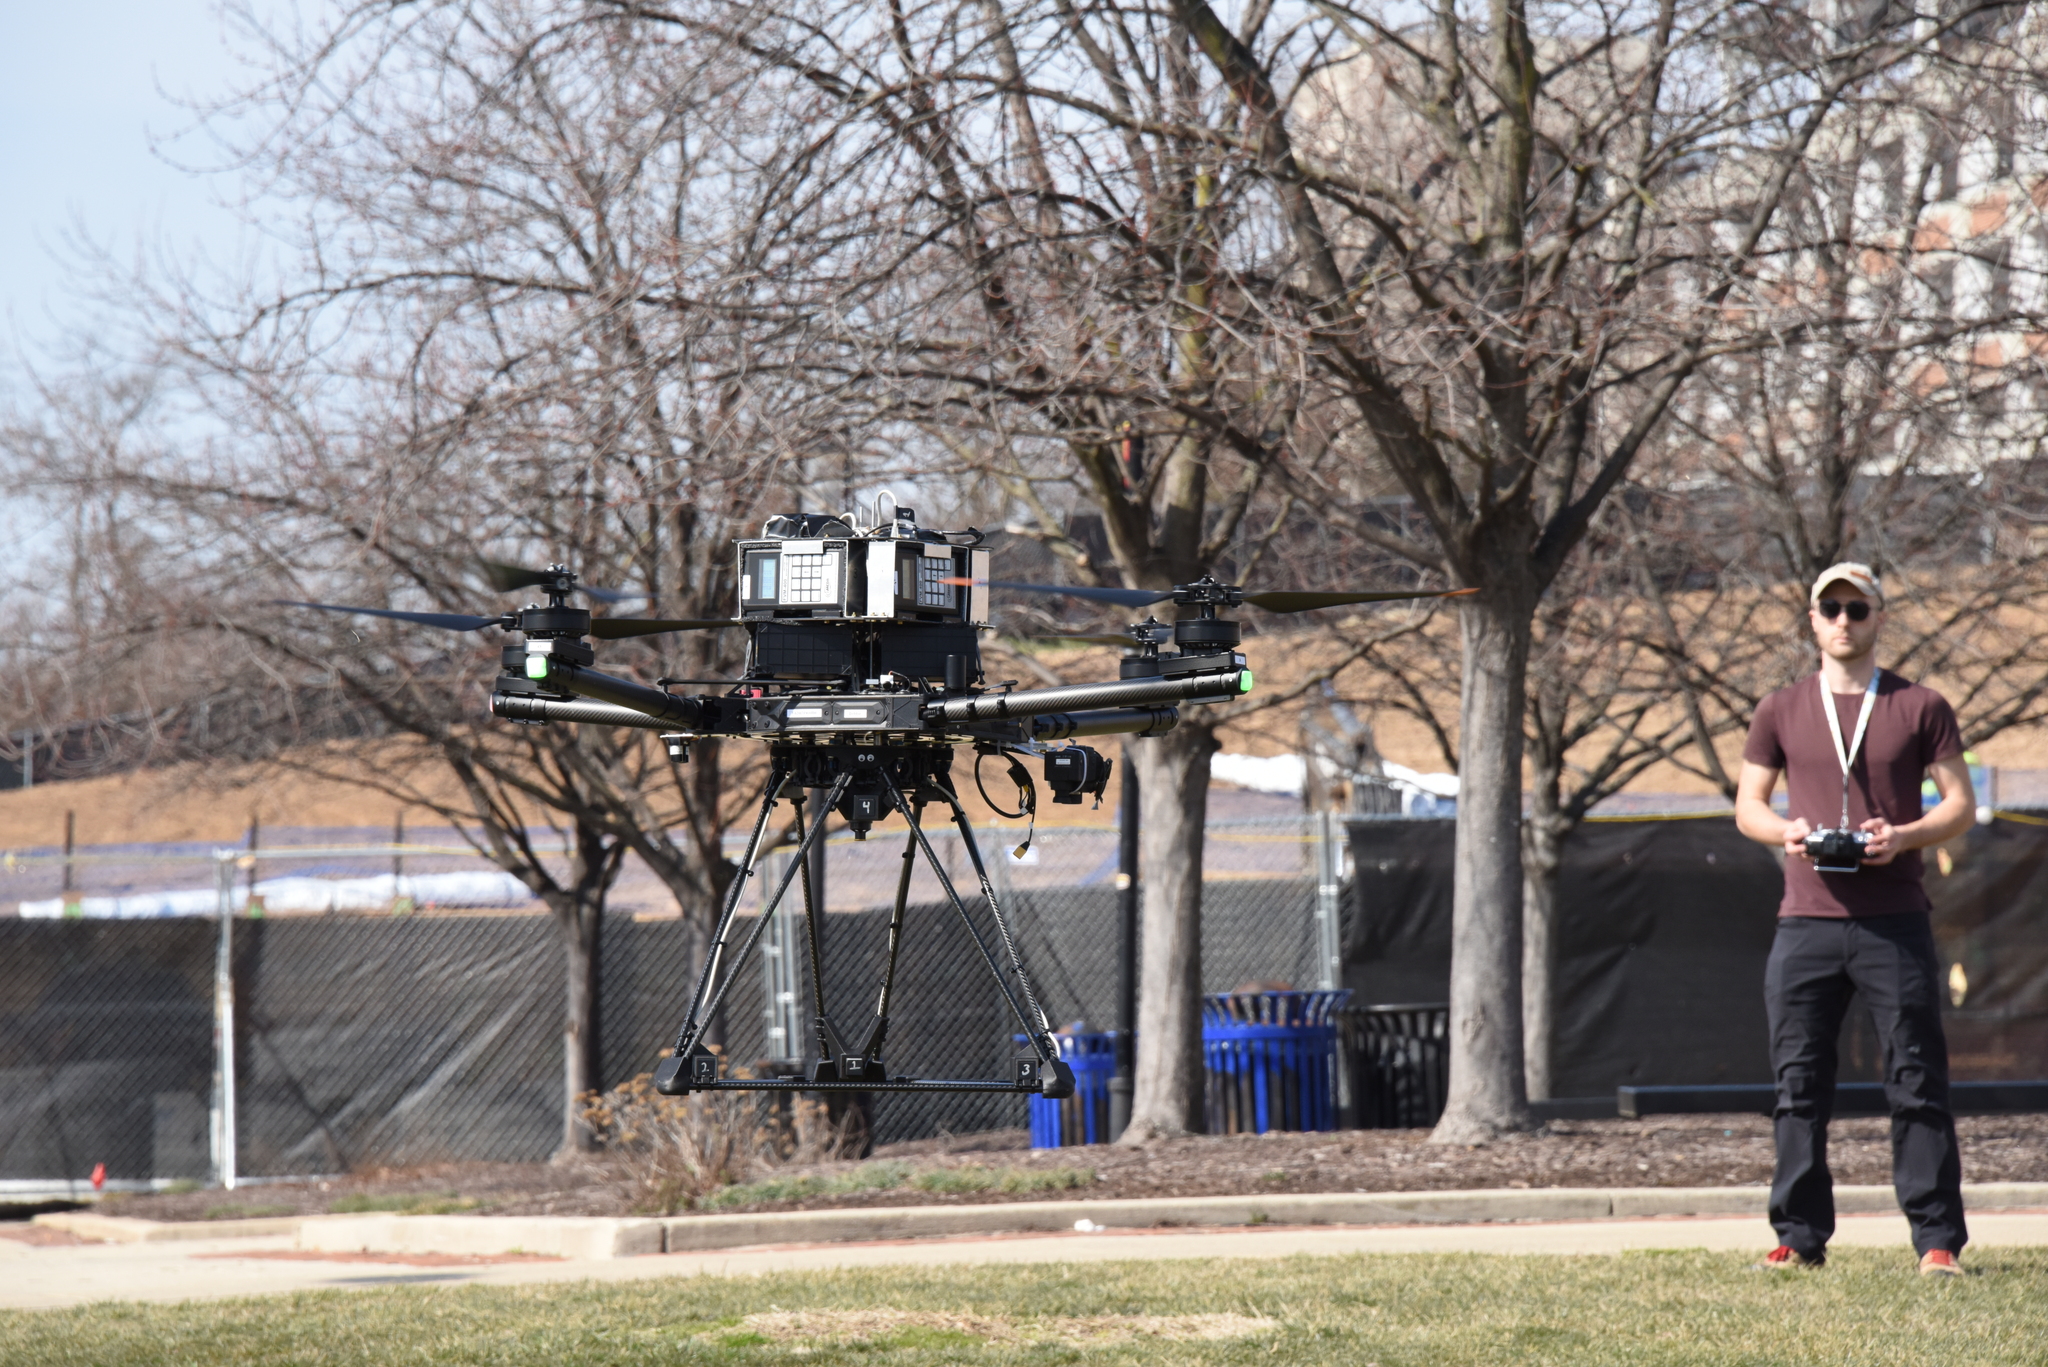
[
  {"x": 1939, "y": 1262},
  {"x": 1785, "y": 1258}
]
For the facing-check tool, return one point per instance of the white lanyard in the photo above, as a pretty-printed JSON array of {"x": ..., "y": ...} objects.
[{"x": 1847, "y": 755}]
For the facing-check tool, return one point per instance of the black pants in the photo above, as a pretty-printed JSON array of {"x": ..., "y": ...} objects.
[{"x": 1815, "y": 966}]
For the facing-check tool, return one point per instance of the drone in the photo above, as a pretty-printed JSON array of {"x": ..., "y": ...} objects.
[{"x": 863, "y": 677}]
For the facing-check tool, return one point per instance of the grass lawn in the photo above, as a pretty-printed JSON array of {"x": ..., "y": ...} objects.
[{"x": 1426, "y": 1310}]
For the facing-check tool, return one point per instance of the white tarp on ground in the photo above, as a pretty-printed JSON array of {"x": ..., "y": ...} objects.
[
  {"x": 1260, "y": 773},
  {"x": 1421, "y": 794},
  {"x": 494, "y": 888}
]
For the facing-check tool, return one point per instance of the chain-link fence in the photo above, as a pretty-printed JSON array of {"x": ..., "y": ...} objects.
[
  {"x": 948, "y": 1019},
  {"x": 375, "y": 1024},
  {"x": 295, "y": 871}
]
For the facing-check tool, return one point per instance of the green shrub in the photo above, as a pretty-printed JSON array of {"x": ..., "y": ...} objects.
[
  {"x": 973, "y": 1178},
  {"x": 884, "y": 1176}
]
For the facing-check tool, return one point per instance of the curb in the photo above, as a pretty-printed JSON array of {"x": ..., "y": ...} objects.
[
  {"x": 580, "y": 1238},
  {"x": 695, "y": 1233},
  {"x": 702, "y": 1233},
  {"x": 601, "y": 1238},
  {"x": 119, "y": 1229}
]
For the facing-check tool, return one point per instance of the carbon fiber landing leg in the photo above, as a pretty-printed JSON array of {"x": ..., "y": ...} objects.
[{"x": 693, "y": 1067}]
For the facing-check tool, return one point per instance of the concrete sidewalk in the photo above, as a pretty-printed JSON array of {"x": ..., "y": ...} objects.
[{"x": 41, "y": 1278}]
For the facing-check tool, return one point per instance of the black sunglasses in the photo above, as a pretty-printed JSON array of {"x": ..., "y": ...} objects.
[{"x": 1831, "y": 608}]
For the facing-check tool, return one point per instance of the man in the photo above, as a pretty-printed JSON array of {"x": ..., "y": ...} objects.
[{"x": 1858, "y": 764}]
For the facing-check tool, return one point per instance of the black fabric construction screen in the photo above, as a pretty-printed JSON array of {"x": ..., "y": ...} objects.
[
  {"x": 365, "y": 1040},
  {"x": 106, "y": 1047},
  {"x": 1665, "y": 926},
  {"x": 1991, "y": 925}
]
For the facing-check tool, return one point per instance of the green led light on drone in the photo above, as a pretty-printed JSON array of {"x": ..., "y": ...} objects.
[
  {"x": 536, "y": 666},
  {"x": 1244, "y": 681}
]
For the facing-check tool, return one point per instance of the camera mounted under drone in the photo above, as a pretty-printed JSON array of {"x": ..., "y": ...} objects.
[{"x": 863, "y": 677}]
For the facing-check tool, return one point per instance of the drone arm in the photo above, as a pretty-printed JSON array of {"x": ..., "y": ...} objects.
[
  {"x": 531, "y": 707},
  {"x": 1035, "y": 702},
  {"x": 665, "y": 708}
]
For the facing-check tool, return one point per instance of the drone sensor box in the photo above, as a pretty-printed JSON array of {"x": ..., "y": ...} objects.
[{"x": 863, "y": 579}]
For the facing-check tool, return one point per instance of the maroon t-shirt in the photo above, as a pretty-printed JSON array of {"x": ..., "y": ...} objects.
[{"x": 1910, "y": 728}]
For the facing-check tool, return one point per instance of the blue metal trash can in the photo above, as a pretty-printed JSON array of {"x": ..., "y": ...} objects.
[
  {"x": 1082, "y": 1118},
  {"x": 1271, "y": 1059}
]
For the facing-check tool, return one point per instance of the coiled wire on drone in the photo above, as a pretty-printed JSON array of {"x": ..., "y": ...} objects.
[{"x": 1027, "y": 800}]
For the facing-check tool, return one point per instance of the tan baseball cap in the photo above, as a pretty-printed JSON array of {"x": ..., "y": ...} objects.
[{"x": 1853, "y": 573}]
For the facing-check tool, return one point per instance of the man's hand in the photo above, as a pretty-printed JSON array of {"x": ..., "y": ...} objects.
[
  {"x": 1883, "y": 845},
  {"x": 1795, "y": 839}
]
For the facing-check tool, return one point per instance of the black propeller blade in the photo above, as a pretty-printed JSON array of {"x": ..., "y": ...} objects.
[
  {"x": 1288, "y": 601},
  {"x": 619, "y": 628},
  {"x": 449, "y": 620},
  {"x": 507, "y": 578},
  {"x": 1272, "y": 601},
  {"x": 603, "y": 628},
  {"x": 1128, "y": 598}
]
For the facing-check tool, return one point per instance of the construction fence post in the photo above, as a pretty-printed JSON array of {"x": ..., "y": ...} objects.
[
  {"x": 1329, "y": 902},
  {"x": 224, "y": 1024},
  {"x": 1330, "y": 934}
]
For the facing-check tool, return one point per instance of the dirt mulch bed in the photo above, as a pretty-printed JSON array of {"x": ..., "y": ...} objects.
[
  {"x": 1672, "y": 1151},
  {"x": 593, "y": 1187},
  {"x": 40, "y": 1236}
]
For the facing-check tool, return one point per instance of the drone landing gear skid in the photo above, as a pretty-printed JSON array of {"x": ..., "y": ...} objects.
[{"x": 838, "y": 1068}]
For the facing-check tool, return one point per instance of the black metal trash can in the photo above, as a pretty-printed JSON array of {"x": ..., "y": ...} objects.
[{"x": 1398, "y": 1061}]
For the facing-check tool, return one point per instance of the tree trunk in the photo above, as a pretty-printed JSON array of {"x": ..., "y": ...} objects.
[
  {"x": 1173, "y": 807},
  {"x": 1542, "y": 857},
  {"x": 578, "y": 906},
  {"x": 579, "y": 919},
  {"x": 1487, "y": 1096}
]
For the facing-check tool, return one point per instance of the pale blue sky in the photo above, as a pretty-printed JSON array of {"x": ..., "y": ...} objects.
[{"x": 83, "y": 90}]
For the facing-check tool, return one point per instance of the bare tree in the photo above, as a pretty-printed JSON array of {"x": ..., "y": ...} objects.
[
  {"x": 1183, "y": 273},
  {"x": 1519, "y": 233},
  {"x": 1326, "y": 252},
  {"x": 1600, "y": 714},
  {"x": 1869, "y": 390},
  {"x": 1041, "y": 302},
  {"x": 530, "y": 320},
  {"x": 1901, "y": 423}
]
